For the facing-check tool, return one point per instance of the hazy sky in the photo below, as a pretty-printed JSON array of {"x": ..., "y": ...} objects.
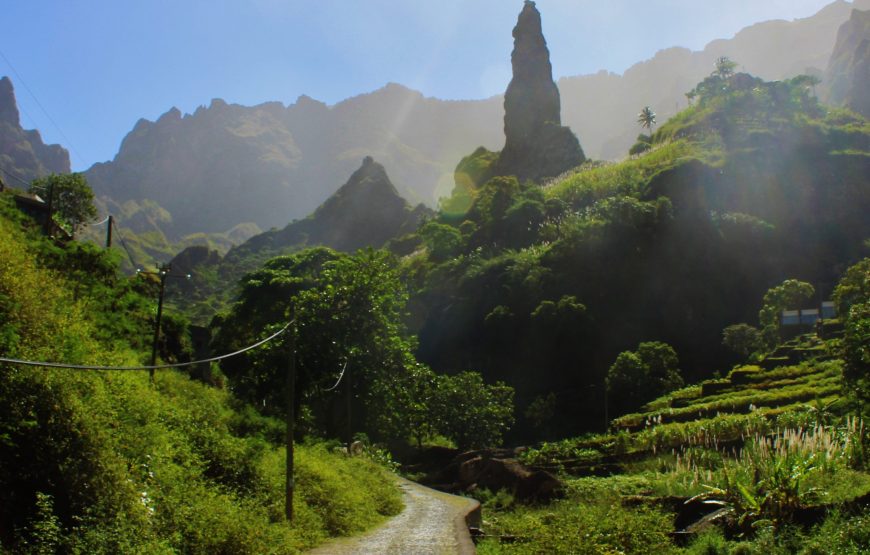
[{"x": 97, "y": 66}]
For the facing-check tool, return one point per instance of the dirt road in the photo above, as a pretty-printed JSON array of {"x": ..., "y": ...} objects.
[{"x": 432, "y": 524}]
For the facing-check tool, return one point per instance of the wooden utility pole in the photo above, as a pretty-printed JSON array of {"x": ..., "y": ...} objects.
[
  {"x": 109, "y": 231},
  {"x": 290, "y": 482},
  {"x": 348, "y": 394},
  {"x": 163, "y": 271}
]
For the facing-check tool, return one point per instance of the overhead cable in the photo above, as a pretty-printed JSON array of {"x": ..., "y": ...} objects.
[{"x": 155, "y": 367}]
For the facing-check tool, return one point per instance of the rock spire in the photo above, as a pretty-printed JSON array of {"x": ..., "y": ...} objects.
[{"x": 536, "y": 144}]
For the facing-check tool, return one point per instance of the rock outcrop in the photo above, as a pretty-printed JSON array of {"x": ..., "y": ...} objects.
[
  {"x": 367, "y": 211},
  {"x": 494, "y": 469},
  {"x": 847, "y": 79},
  {"x": 22, "y": 152},
  {"x": 537, "y": 146}
]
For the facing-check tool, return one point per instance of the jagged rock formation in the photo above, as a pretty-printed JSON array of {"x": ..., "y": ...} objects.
[
  {"x": 602, "y": 107},
  {"x": 367, "y": 211},
  {"x": 536, "y": 144},
  {"x": 22, "y": 152},
  {"x": 224, "y": 165},
  {"x": 847, "y": 80},
  {"x": 269, "y": 164}
]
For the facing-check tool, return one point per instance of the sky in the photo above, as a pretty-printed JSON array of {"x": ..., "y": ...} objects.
[{"x": 86, "y": 70}]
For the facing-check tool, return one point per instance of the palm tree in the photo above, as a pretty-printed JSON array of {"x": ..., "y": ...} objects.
[{"x": 647, "y": 119}]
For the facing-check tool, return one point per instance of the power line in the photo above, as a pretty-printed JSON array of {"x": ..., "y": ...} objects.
[
  {"x": 15, "y": 177},
  {"x": 124, "y": 244},
  {"x": 343, "y": 368},
  {"x": 152, "y": 367},
  {"x": 41, "y": 107}
]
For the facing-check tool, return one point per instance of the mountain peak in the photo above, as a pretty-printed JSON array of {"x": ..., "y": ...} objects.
[
  {"x": 8, "y": 105},
  {"x": 536, "y": 144}
]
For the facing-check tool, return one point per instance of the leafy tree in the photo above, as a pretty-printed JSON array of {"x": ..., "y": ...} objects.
[
  {"x": 638, "y": 376},
  {"x": 854, "y": 287},
  {"x": 743, "y": 339},
  {"x": 789, "y": 295},
  {"x": 647, "y": 119},
  {"x": 724, "y": 67},
  {"x": 472, "y": 413},
  {"x": 852, "y": 296},
  {"x": 70, "y": 197},
  {"x": 443, "y": 241}
]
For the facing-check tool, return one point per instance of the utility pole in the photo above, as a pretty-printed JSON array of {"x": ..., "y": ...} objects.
[
  {"x": 109, "y": 231},
  {"x": 49, "y": 220},
  {"x": 290, "y": 482},
  {"x": 348, "y": 394},
  {"x": 163, "y": 271}
]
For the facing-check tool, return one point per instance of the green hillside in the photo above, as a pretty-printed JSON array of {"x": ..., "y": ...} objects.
[
  {"x": 103, "y": 462},
  {"x": 543, "y": 285},
  {"x": 770, "y": 459}
]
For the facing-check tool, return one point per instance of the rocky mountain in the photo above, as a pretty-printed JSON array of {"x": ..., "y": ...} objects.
[
  {"x": 603, "y": 107},
  {"x": 22, "y": 152},
  {"x": 367, "y": 211},
  {"x": 847, "y": 80},
  {"x": 272, "y": 163},
  {"x": 536, "y": 144}
]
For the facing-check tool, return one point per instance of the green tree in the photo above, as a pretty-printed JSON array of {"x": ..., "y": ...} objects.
[
  {"x": 789, "y": 295},
  {"x": 852, "y": 296},
  {"x": 443, "y": 241},
  {"x": 472, "y": 413},
  {"x": 70, "y": 197},
  {"x": 638, "y": 376},
  {"x": 647, "y": 119},
  {"x": 724, "y": 67},
  {"x": 743, "y": 339}
]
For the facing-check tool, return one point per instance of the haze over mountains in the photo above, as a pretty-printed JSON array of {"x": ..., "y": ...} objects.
[{"x": 269, "y": 164}]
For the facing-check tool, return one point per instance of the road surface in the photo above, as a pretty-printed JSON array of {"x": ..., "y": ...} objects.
[{"x": 432, "y": 523}]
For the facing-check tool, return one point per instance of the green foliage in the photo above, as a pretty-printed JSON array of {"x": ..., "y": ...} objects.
[
  {"x": 742, "y": 339},
  {"x": 854, "y": 287},
  {"x": 69, "y": 196},
  {"x": 472, "y": 413},
  {"x": 638, "y": 375},
  {"x": 647, "y": 118},
  {"x": 789, "y": 295},
  {"x": 471, "y": 173},
  {"x": 103, "y": 462}
]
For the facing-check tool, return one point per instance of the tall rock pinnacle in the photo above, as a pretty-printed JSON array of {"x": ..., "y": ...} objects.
[{"x": 536, "y": 144}]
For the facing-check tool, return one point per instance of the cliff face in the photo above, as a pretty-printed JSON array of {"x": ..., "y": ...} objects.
[
  {"x": 847, "y": 80},
  {"x": 536, "y": 144},
  {"x": 272, "y": 164},
  {"x": 366, "y": 211},
  {"x": 22, "y": 152}
]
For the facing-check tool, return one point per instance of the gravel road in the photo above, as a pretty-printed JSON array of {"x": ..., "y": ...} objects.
[{"x": 432, "y": 523}]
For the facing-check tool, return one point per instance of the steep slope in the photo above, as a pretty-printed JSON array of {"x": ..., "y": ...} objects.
[
  {"x": 22, "y": 153},
  {"x": 847, "y": 79},
  {"x": 366, "y": 211},
  {"x": 273, "y": 164},
  {"x": 602, "y": 107}
]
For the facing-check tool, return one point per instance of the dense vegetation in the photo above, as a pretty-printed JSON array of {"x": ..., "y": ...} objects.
[
  {"x": 780, "y": 448},
  {"x": 751, "y": 202},
  {"x": 544, "y": 286},
  {"x": 103, "y": 462}
]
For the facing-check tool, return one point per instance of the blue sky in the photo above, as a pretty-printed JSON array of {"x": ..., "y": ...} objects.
[{"x": 97, "y": 66}]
